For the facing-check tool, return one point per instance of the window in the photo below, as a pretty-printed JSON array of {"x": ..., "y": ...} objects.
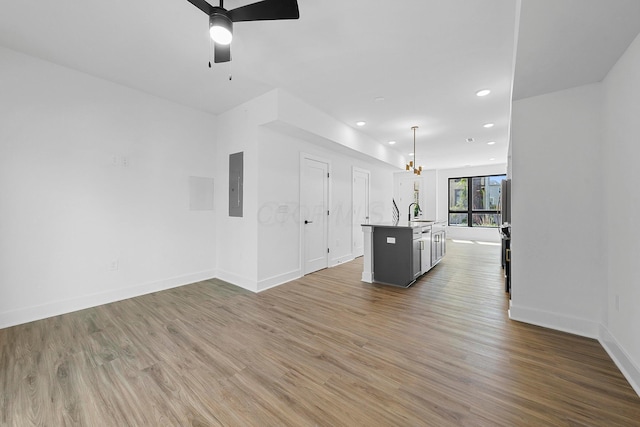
[{"x": 474, "y": 201}]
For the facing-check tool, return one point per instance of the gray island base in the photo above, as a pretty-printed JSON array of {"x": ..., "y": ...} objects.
[{"x": 398, "y": 253}]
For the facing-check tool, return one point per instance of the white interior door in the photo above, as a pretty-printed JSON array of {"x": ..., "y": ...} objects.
[
  {"x": 360, "y": 209},
  {"x": 314, "y": 204}
]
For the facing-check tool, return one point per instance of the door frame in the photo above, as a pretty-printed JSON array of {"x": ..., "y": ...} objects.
[
  {"x": 356, "y": 228},
  {"x": 304, "y": 156}
]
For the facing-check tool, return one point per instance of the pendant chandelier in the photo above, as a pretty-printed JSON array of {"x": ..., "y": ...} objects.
[{"x": 412, "y": 165}]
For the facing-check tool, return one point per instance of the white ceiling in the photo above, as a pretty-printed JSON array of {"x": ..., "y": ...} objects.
[
  {"x": 569, "y": 43},
  {"x": 426, "y": 58}
]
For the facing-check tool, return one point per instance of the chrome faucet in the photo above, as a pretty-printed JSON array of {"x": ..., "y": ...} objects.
[{"x": 417, "y": 205}]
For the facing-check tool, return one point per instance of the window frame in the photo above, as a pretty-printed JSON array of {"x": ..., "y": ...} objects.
[{"x": 470, "y": 211}]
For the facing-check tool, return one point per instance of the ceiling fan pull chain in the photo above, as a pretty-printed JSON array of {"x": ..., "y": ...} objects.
[{"x": 210, "y": 50}]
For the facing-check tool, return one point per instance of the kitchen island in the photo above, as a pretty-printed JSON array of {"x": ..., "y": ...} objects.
[{"x": 398, "y": 253}]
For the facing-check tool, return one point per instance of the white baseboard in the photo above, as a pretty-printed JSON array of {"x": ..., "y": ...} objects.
[
  {"x": 279, "y": 279},
  {"x": 240, "y": 281},
  {"x": 367, "y": 277},
  {"x": 55, "y": 308},
  {"x": 572, "y": 325},
  {"x": 272, "y": 282},
  {"x": 585, "y": 328},
  {"x": 340, "y": 260},
  {"x": 621, "y": 358}
]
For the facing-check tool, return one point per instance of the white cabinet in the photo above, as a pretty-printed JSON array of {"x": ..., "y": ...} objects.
[
  {"x": 425, "y": 250},
  {"x": 438, "y": 243}
]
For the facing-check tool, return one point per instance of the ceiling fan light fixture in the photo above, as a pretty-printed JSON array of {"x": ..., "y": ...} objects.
[
  {"x": 221, "y": 20},
  {"x": 220, "y": 28}
]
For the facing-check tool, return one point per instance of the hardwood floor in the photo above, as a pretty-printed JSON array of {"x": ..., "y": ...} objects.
[{"x": 326, "y": 350}]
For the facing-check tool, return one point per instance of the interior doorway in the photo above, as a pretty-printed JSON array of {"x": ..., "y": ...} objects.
[
  {"x": 360, "y": 208},
  {"x": 314, "y": 213}
]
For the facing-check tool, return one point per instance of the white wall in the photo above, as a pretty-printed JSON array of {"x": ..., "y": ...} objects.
[
  {"x": 558, "y": 260},
  {"x": 239, "y": 131},
  {"x": 279, "y": 232},
  {"x": 403, "y": 192},
  {"x": 278, "y": 209},
  {"x": 622, "y": 202},
  {"x": 465, "y": 233},
  {"x": 262, "y": 249},
  {"x": 578, "y": 272},
  {"x": 92, "y": 173},
  {"x": 300, "y": 128}
]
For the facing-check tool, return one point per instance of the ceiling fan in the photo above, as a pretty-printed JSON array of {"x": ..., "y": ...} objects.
[{"x": 221, "y": 20}]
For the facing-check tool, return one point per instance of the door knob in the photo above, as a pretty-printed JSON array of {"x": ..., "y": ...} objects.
[{"x": 307, "y": 222}]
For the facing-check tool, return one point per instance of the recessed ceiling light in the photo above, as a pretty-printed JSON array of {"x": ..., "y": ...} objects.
[
  {"x": 487, "y": 125},
  {"x": 491, "y": 142},
  {"x": 492, "y": 159},
  {"x": 391, "y": 142},
  {"x": 411, "y": 154},
  {"x": 361, "y": 123},
  {"x": 483, "y": 92}
]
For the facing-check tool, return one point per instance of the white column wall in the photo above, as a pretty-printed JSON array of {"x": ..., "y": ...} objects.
[
  {"x": 94, "y": 195},
  {"x": 558, "y": 261},
  {"x": 239, "y": 131},
  {"x": 621, "y": 200}
]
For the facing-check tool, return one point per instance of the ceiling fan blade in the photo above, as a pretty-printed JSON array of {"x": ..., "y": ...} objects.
[
  {"x": 221, "y": 53},
  {"x": 202, "y": 5},
  {"x": 266, "y": 10}
]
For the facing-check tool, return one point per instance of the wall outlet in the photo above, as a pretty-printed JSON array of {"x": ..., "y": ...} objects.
[
  {"x": 120, "y": 161},
  {"x": 114, "y": 265}
]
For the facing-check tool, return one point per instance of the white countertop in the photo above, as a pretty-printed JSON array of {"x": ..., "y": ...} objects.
[{"x": 402, "y": 224}]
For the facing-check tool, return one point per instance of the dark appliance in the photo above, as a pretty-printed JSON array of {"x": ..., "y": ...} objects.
[
  {"x": 505, "y": 234},
  {"x": 505, "y": 202}
]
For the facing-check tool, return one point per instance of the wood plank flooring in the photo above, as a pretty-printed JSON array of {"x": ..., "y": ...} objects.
[{"x": 325, "y": 350}]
